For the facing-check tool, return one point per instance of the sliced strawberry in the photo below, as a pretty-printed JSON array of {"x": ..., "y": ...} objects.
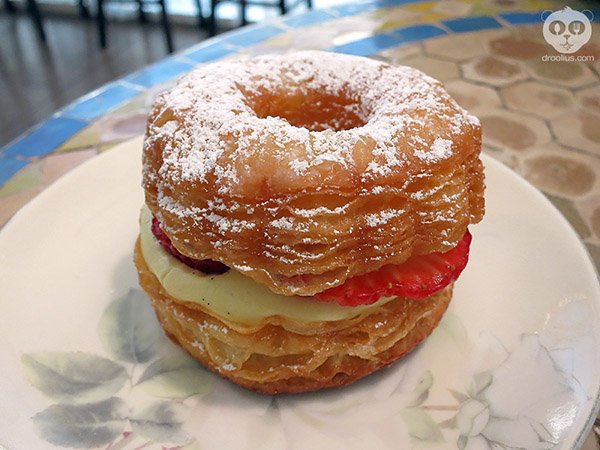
[
  {"x": 207, "y": 266},
  {"x": 419, "y": 277}
]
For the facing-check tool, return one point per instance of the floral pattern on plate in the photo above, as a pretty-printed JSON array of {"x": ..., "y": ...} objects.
[{"x": 91, "y": 394}]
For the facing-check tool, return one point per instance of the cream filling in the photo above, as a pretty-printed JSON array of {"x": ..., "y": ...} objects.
[{"x": 232, "y": 295}]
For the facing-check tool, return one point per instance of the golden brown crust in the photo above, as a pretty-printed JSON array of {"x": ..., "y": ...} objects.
[
  {"x": 396, "y": 173},
  {"x": 281, "y": 357}
]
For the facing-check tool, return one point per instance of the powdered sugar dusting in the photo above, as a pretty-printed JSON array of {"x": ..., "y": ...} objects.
[
  {"x": 441, "y": 149},
  {"x": 210, "y": 133},
  {"x": 376, "y": 219}
]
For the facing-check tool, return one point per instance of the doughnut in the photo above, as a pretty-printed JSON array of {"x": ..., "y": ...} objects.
[
  {"x": 302, "y": 171},
  {"x": 302, "y": 176}
]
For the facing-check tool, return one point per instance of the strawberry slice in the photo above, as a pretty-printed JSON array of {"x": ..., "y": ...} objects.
[
  {"x": 419, "y": 277},
  {"x": 207, "y": 266}
]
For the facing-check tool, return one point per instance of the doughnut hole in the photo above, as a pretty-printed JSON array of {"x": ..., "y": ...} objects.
[{"x": 315, "y": 111}]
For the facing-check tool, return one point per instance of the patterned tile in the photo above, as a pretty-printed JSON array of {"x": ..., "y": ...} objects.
[
  {"x": 351, "y": 9},
  {"x": 45, "y": 138},
  {"x": 589, "y": 98},
  {"x": 367, "y": 46},
  {"x": 467, "y": 24},
  {"x": 519, "y": 47},
  {"x": 453, "y": 8},
  {"x": 411, "y": 4},
  {"x": 136, "y": 103},
  {"x": 505, "y": 156},
  {"x": 461, "y": 47},
  {"x": 579, "y": 130},
  {"x": 572, "y": 214},
  {"x": 28, "y": 178},
  {"x": 399, "y": 55},
  {"x": 415, "y": 33},
  {"x": 512, "y": 130},
  {"x": 336, "y": 33},
  {"x": 538, "y": 98},
  {"x": 522, "y": 18},
  {"x": 500, "y": 6},
  {"x": 391, "y": 18},
  {"x": 160, "y": 72},
  {"x": 206, "y": 53},
  {"x": 57, "y": 165},
  {"x": 313, "y": 17},
  {"x": 100, "y": 101},
  {"x": 9, "y": 167},
  {"x": 11, "y": 203},
  {"x": 562, "y": 73},
  {"x": 562, "y": 172},
  {"x": 589, "y": 209},
  {"x": 87, "y": 137},
  {"x": 494, "y": 70},
  {"x": 473, "y": 97},
  {"x": 247, "y": 37},
  {"x": 119, "y": 127},
  {"x": 441, "y": 70}
]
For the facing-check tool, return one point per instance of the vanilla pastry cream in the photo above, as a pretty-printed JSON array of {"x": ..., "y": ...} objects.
[{"x": 232, "y": 295}]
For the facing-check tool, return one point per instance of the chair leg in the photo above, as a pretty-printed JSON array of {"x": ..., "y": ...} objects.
[
  {"x": 37, "y": 18},
  {"x": 141, "y": 14},
  {"x": 282, "y": 6},
  {"x": 243, "y": 18},
  {"x": 84, "y": 12},
  {"x": 212, "y": 22},
  {"x": 167, "y": 27},
  {"x": 9, "y": 6},
  {"x": 201, "y": 21},
  {"x": 101, "y": 24}
]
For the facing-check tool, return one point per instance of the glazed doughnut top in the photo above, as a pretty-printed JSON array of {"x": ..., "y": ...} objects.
[{"x": 304, "y": 169}]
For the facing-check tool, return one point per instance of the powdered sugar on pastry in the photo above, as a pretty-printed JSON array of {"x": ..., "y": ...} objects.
[
  {"x": 226, "y": 115},
  {"x": 255, "y": 163}
]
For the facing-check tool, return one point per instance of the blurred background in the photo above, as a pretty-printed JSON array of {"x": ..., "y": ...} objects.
[{"x": 37, "y": 78}]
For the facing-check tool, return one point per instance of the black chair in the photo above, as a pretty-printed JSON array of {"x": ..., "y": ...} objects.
[
  {"x": 212, "y": 22},
  {"x": 34, "y": 12},
  {"x": 164, "y": 19}
]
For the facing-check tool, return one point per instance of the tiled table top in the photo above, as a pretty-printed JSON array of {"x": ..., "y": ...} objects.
[{"x": 540, "y": 117}]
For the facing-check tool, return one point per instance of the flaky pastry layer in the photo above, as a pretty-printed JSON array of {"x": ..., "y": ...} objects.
[
  {"x": 304, "y": 170},
  {"x": 280, "y": 355}
]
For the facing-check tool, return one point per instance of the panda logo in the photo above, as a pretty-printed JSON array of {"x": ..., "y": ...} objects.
[{"x": 567, "y": 30}]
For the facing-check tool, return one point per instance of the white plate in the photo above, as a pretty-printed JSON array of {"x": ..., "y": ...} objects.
[{"x": 515, "y": 362}]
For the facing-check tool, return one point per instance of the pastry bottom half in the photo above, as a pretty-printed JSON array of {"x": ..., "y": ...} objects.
[{"x": 281, "y": 357}]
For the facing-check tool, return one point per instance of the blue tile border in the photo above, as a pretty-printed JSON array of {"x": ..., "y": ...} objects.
[
  {"x": 9, "y": 167},
  {"x": 367, "y": 46},
  {"x": 247, "y": 37},
  {"x": 159, "y": 72},
  {"x": 209, "y": 52},
  {"x": 531, "y": 18},
  {"x": 351, "y": 9},
  {"x": 467, "y": 24},
  {"x": 100, "y": 101},
  {"x": 415, "y": 33},
  {"x": 393, "y": 38},
  {"x": 403, "y": 2},
  {"x": 313, "y": 17},
  {"x": 45, "y": 138},
  {"x": 522, "y": 18}
]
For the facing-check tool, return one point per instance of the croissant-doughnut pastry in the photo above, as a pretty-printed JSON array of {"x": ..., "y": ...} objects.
[{"x": 294, "y": 204}]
